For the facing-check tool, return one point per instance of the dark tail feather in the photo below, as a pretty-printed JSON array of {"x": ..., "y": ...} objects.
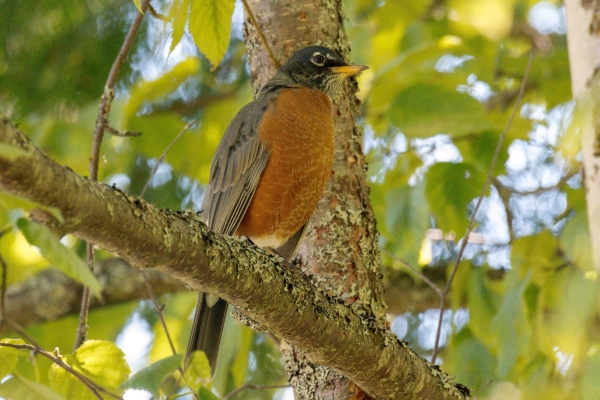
[{"x": 207, "y": 329}]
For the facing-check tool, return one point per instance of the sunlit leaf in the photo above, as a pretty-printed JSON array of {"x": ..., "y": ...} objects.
[
  {"x": 197, "y": 371},
  {"x": 151, "y": 377},
  {"x": 58, "y": 255},
  {"x": 159, "y": 88},
  {"x": 178, "y": 15},
  {"x": 8, "y": 356},
  {"x": 18, "y": 387},
  {"x": 210, "y": 26},
  {"x": 449, "y": 189},
  {"x": 66, "y": 384},
  {"x": 138, "y": 5},
  {"x": 104, "y": 362}
]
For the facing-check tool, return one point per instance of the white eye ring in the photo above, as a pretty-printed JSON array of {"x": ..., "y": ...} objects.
[{"x": 318, "y": 59}]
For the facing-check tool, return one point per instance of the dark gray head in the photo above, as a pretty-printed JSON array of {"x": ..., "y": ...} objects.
[{"x": 316, "y": 67}]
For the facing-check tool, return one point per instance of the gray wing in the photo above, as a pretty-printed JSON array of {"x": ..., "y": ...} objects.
[{"x": 236, "y": 168}]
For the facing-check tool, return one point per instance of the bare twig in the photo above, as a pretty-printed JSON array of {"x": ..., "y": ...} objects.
[
  {"x": 124, "y": 133},
  {"x": 416, "y": 272},
  {"x": 3, "y": 292},
  {"x": 261, "y": 34},
  {"x": 101, "y": 124},
  {"x": 164, "y": 154},
  {"x": 487, "y": 183},
  {"x": 249, "y": 386},
  {"x": 55, "y": 358},
  {"x": 156, "y": 14}
]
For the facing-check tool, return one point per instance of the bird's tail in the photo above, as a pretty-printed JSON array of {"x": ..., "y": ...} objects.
[{"x": 207, "y": 328}]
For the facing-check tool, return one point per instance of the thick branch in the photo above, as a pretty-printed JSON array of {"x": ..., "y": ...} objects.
[{"x": 278, "y": 297}]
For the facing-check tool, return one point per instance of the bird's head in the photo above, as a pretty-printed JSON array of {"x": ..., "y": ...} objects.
[{"x": 319, "y": 68}]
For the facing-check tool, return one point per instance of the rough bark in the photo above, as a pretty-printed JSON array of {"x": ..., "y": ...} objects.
[
  {"x": 340, "y": 248},
  {"x": 583, "y": 36},
  {"x": 260, "y": 284}
]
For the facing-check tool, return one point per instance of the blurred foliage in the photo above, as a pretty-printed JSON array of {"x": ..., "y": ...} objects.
[{"x": 442, "y": 83}]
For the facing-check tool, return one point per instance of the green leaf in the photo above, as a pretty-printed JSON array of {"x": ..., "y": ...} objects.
[
  {"x": 58, "y": 255},
  {"x": 210, "y": 26},
  {"x": 407, "y": 220},
  {"x": 590, "y": 390},
  {"x": 205, "y": 394},
  {"x": 197, "y": 371},
  {"x": 510, "y": 326},
  {"x": 104, "y": 362},
  {"x": 449, "y": 189},
  {"x": 178, "y": 15},
  {"x": 18, "y": 387},
  {"x": 8, "y": 201},
  {"x": 424, "y": 110},
  {"x": 536, "y": 253},
  {"x": 8, "y": 357},
  {"x": 575, "y": 241},
  {"x": 10, "y": 153},
  {"x": 66, "y": 384},
  {"x": 151, "y": 377},
  {"x": 479, "y": 151}
]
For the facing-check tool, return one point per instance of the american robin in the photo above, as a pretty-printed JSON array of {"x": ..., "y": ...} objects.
[{"x": 271, "y": 168}]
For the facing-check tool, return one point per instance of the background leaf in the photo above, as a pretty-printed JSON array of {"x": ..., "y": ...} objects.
[
  {"x": 59, "y": 256},
  {"x": 210, "y": 25}
]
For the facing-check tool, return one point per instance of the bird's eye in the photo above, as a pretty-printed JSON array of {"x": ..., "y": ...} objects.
[{"x": 318, "y": 59}]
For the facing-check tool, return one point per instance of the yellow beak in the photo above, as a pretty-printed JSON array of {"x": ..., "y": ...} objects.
[{"x": 349, "y": 70}]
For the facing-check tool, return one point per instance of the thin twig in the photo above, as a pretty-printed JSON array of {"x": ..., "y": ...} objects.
[
  {"x": 249, "y": 386},
  {"x": 156, "y": 14},
  {"x": 164, "y": 154},
  {"x": 101, "y": 124},
  {"x": 416, "y": 271},
  {"x": 3, "y": 292},
  {"x": 487, "y": 183},
  {"x": 123, "y": 133},
  {"x": 262, "y": 35},
  {"x": 85, "y": 301},
  {"x": 158, "y": 308},
  {"x": 55, "y": 358}
]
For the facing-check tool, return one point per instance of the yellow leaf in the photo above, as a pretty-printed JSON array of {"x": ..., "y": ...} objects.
[
  {"x": 8, "y": 357},
  {"x": 210, "y": 26},
  {"x": 178, "y": 15},
  {"x": 157, "y": 89},
  {"x": 138, "y": 5},
  {"x": 197, "y": 371}
]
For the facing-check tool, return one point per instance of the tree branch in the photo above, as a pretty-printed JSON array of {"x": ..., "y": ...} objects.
[{"x": 257, "y": 282}]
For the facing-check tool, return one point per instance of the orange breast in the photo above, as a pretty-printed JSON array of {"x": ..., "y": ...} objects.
[{"x": 298, "y": 131}]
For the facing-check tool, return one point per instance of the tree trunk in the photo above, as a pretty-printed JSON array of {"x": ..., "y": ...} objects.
[
  {"x": 583, "y": 35},
  {"x": 340, "y": 248}
]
